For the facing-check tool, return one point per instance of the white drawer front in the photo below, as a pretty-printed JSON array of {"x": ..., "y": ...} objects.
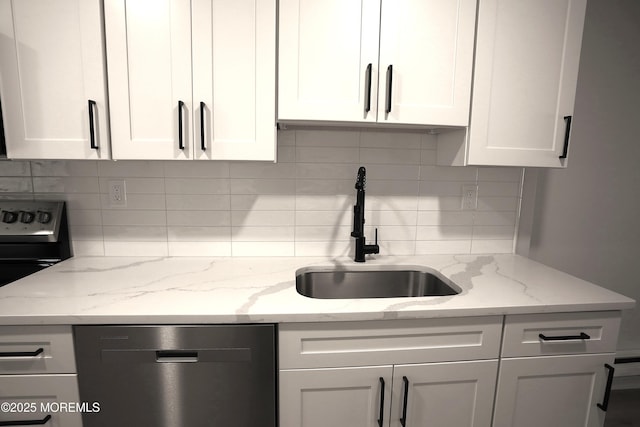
[
  {"x": 46, "y": 349},
  {"x": 336, "y": 344},
  {"x": 36, "y": 397},
  {"x": 563, "y": 333}
]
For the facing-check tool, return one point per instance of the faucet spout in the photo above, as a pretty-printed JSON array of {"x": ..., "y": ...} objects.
[{"x": 362, "y": 248}]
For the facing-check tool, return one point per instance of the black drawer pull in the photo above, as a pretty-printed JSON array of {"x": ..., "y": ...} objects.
[
  {"x": 567, "y": 133},
  {"x": 403, "y": 420},
  {"x": 582, "y": 336},
  {"x": 607, "y": 392},
  {"x": 380, "y": 420},
  {"x": 92, "y": 129},
  {"x": 367, "y": 94},
  {"x": 180, "y": 141},
  {"x": 389, "y": 89},
  {"x": 22, "y": 353},
  {"x": 26, "y": 422},
  {"x": 203, "y": 144}
]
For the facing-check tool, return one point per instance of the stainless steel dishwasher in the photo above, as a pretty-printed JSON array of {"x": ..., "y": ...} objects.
[{"x": 178, "y": 376}]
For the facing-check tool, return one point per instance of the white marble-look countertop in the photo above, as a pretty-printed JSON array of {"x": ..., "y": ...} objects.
[{"x": 121, "y": 290}]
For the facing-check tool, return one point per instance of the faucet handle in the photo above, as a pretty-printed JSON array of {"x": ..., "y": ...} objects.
[{"x": 376, "y": 237}]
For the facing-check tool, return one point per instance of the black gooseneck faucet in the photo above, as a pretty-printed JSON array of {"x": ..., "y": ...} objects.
[{"x": 362, "y": 248}]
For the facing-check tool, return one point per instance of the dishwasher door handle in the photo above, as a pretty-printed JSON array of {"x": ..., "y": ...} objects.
[
  {"x": 200, "y": 355},
  {"x": 176, "y": 356}
]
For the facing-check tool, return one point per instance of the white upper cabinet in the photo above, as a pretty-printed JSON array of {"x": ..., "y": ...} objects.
[
  {"x": 149, "y": 60},
  {"x": 426, "y": 58},
  {"x": 385, "y": 61},
  {"x": 52, "y": 79},
  {"x": 234, "y": 78},
  {"x": 526, "y": 70},
  {"x": 226, "y": 111}
]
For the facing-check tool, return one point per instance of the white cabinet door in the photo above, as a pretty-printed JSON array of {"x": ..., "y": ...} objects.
[
  {"x": 526, "y": 70},
  {"x": 37, "y": 400},
  {"x": 52, "y": 79},
  {"x": 328, "y": 60},
  {"x": 553, "y": 391},
  {"x": 149, "y": 62},
  {"x": 336, "y": 397},
  {"x": 234, "y": 66},
  {"x": 444, "y": 394},
  {"x": 429, "y": 45}
]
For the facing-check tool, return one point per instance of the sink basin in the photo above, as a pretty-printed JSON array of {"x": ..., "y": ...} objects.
[{"x": 341, "y": 283}]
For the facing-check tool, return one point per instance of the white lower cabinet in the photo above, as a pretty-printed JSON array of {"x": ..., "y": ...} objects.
[
  {"x": 38, "y": 380},
  {"x": 436, "y": 372},
  {"x": 552, "y": 391},
  {"x": 50, "y": 400},
  {"x": 444, "y": 394},
  {"x": 434, "y": 394}
]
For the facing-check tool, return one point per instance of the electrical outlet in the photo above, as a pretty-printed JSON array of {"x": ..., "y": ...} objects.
[
  {"x": 117, "y": 192},
  {"x": 469, "y": 197}
]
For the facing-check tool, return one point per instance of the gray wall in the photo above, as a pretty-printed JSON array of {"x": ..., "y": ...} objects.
[{"x": 585, "y": 220}]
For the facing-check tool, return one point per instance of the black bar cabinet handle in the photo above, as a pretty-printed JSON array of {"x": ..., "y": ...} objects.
[
  {"x": 582, "y": 336},
  {"x": 22, "y": 353},
  {"x": 367, "y": 94},
  {"x": 380, "y": 420},
  {"x": 567, "y": 133},
  {"x": 26, "y": 422},
  {"x": 180, "y": 141},
  {"x": 203, "y": 144},
  {"x": 92, "y": 131},
  {"x": 403, "y": 420},
  {"x": 389, "y": 84},
  {"x": 607, "y": 392}
]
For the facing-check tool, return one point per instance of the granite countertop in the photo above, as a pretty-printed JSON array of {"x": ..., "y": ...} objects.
[{"x": 144, "y": 290}]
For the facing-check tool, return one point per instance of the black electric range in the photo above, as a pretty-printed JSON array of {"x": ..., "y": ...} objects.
[{"x": 33, "y": 235}]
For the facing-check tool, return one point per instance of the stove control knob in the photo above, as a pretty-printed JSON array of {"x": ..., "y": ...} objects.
[
  {"x": 44, "y": 217},
  {"x": 27, "y": 217},
  {"x": 9, "y": 217}
]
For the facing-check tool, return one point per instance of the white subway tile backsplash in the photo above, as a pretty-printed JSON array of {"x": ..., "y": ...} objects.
[
  {"x": 64, "y": 168},
  {"x": 262, "y": 202},
  {"x": 136, "y": 185},
  {"x": 198, "y": 202},
  {"x": 385, "y": 156},
  {"x": 262, "y": 234},
  {"x": 262, "y": 218},
  {"x": 173, "y": 169},
  {"x": 131, "y": 168},
  {"x": 88, "y": 247},
  {"x": 429, "y": 247},
  {"x": 198, "y": 234},
  {"x": 213, "y": 249},
  {"x": 262, "y": 186},
  {"x": 134, "y": 217},
  {"x": 135, "y": 233},
  {"x": 492, "y": 246},
  {"x": 327, "y": 155},
  {"x": 68, "y": 184},
  {"x": 302, "y": 205},
  {"x": 327, "y": 138},
  {"x": 15, "y": 168},
  {"x": 444, "y": 232},
  {"x": 15, "y": 185},
  {"x": 323, "y": 233},
  {"x": 262, "y": 249},
  {"x": 137, "y": 201},
  {"x": 199, "y": 218},
  {"x": 391, "y": 139},
  {"x": 196, "y": 186},
  {"x": 126, "y": 248}
]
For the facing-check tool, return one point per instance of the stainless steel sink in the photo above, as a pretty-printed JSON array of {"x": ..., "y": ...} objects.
[{"x": 339, "y": 283}]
